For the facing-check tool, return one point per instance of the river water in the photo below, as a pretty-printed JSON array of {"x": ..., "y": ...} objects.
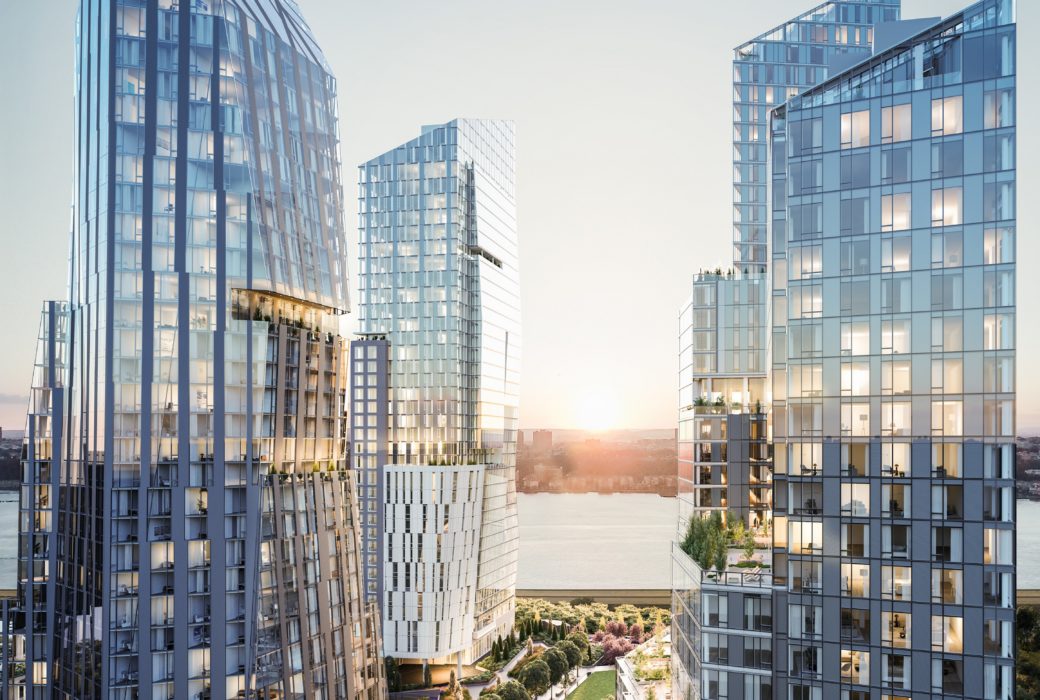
[{"x": 587, "y": 541}]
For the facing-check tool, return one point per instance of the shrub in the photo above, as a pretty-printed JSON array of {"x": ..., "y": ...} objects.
[{"x": 512, "y": 691}]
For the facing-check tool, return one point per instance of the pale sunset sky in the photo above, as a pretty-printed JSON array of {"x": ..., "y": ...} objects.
[{"x": 623, "y": 124}]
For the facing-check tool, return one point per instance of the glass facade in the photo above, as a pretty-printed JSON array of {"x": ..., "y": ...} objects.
[
  {"x": 769, "y": 69},
  {"x": 439, "y": 355},
  {"x": 189, "y": 524},
  {"x": 893, "y": 369}
]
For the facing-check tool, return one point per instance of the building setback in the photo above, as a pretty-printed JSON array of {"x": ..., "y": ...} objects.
[
  {"x": 891, "y": 389},
  {"x": 434, "y": 389},
  {"x": 189, "y": 525}
]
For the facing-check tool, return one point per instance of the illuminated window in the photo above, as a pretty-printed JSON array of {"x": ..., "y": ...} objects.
[
  {"x": 947, "y": 207},
  {"x": 855, "y": 129},
  {"x": 895, "y": 582},
  {"x": 855, "y": 500},
  {"x": 948, "y": 417},
  {"x": 895, "y": 629},
  {"x": 855, "y": 379},
  {"x": 855, "y": 338},
  {"x": 948, "y": 634},
  {"x": 855, "y": 419},
  {"x": 855, "y": 580},
  {"x": 896, "y": 123},
  {"x": 947, "y": 116},
  {"x": 895, "y": 212}
]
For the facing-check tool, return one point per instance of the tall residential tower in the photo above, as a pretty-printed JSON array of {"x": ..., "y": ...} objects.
[
  {"x": 434, "y": 382},
  {"x": 769, "y": 69},
  {"x": 188, "y": 519},
  {"x": 894, "y": 370},
  {"x": 887, "y": 571}
]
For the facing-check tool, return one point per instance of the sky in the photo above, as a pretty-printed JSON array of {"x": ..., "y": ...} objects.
[{"x": 623, "y": 116}]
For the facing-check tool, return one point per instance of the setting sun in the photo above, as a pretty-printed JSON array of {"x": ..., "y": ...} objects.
[{"x": 598, "y": 411}]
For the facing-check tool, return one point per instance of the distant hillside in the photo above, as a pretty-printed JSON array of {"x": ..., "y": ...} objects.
[{"x": 565, "y": 435}]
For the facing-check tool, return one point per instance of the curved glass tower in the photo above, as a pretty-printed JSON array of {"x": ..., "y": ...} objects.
[{"x": 189, "y": 524}]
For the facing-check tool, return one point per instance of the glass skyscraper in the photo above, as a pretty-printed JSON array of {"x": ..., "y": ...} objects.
[
  {"x": 888, "y": 570},
  {"x": 188, "y": 518},
  {"x": 434, "y": 389},
  {"x": 893, "y": 370},
  {"x": 769, "y": 69}
]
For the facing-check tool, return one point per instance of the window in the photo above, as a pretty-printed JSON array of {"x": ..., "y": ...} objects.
[
  {"x": 855, "y": 215},
  {"x": 855, "y": 419},
  {"x": 948, "y": 249},
  {"x": 895, "y": 166},
  {"x": 948, "y": 159},
  {"x": 948, "y": 418},
  {"x": 855, "y": 257},
  {"x": 896, "y": 123},
  {"x": 856, "y": 499},
  {"x": 947, "y": 376},
  {"x": 855, "y": 297},
  {"x": 855, "y": 171},
  {"x": 855, "y": 666},
  {"x": 947, "y": 544},
  {"x": 895, "y": 254},
  {"x": 855, "y": 338},
  {"x": 855, "y": 379},
  {"x": 855, "y": 540},
  {"x": 806, "y": 221},
  {"x": 947, "y": 116},
  {"x": 895, "y": 582},
  {"x": 948, "y": 334},
  {"x": 895, "y": 500},
  {"x": 855, "y": 580},
  {"x": 758, "y": 613},
  {"x": 998, "y": 201},
  {"x": 895, "y": 377},
  {"x": 895, "y": 212},
  {"x": 946, "y": 207},
  {"x": 948, "y": 634},
  {"x": 895, "y": 337},
  {"x": 947, "y": 291},
  {"x": 855, "y": 129},
  {"x": 948, "y": 586},
  {"x": 998, "y": 152},
  {"x": 895, "y": 417},
  {"x": 998, "y": 332},
  {"x": 806, "y": 135},
  {"x": 999, "y": 109}
]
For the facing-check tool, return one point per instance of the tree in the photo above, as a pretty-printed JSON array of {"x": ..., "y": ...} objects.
[
  {"x": 490, "y": 696},
  {"x": 572, "y": 652},
  {"x": 581, "y": 641},
  {"x": 512, "y": 691},
  {"x": 536, "y": 677},
  {"x": 393, "y": 674},
  {"x": 558, "y": 664},
  {"x": 635, "y": 632},
  {"x": 749, "y": 545},
  {"x": 496, "y": 654}
]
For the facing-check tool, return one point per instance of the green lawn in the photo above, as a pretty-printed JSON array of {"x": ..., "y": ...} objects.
[{"x": 598, "y": 686}]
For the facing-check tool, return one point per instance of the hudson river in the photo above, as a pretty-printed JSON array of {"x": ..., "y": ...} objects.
[{"x": 587, "y": 541}]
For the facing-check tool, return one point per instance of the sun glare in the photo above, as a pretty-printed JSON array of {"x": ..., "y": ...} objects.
[{"x": 598, "y": 411}]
